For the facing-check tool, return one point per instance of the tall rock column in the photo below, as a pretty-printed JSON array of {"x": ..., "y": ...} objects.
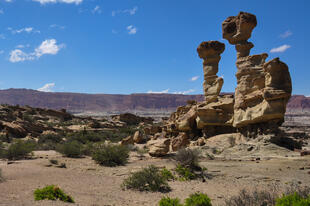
[
  {"x": 210, "y": 52},
  {"x": 263, "y": 89}
]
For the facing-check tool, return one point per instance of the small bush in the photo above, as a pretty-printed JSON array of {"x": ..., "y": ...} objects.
[
  {"x": 1, "y": 177},
  {"x": 110, "y": 155},
  {"x": 198, "y": 199},
  {"x": 148, "y": 179},
  {"x": 49, "y": 141},
  {"x": 167, "y": 174},
  {"x": 185, "y": 173},
  {"x": 253, "y": 198},
  {"x": 167, "y": 201},
  {"x": 52, "y": 192},
  {"x": 293, "y": 200},
  {"x": 19, "y": 150},
  {"x": 188, "y": 158},
  {"x": 72, "y": 149}
]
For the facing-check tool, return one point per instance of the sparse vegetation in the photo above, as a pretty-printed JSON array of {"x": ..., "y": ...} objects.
[
  {"x": 148, "y": 179},
  {"x": 52, "y": 192},
  {"x": 188, "y": 158},
  {"x": 198, "y": 199},
  {"x": 167, "y": 201},
  {"x": 110, "y": 155},
  {"x": 293, "y": 200},
  {"x": 185, "y": 173},
  {"x": 19, "y": 150},
  {"x": 1, "y": 177},
  {"x": 72, "y": 149},
  {"x": 54, "y": 162},
  {"x": 167, "y": 174},
  {"x": 49, "y": 141}
]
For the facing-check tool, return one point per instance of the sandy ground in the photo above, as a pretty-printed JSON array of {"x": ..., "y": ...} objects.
[{"x": 93, "y": 185}]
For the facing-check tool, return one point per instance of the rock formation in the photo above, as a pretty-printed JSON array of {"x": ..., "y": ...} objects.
[
  {"x": 210, "y": 53},
  {"x": 258, "y": 106},
  {"x": 263, "y": 89}
]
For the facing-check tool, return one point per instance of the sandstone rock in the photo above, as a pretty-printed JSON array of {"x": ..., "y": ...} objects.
[
  {"x": 179, "y": 142},
  {"x": 159, "y": 147},
  {"x": 131, "y": 119},
  {"x": 14, "y": 130},
  {"x": 210, "y": 53},
  {"x": 128, "y": 140},
  {"x": 138, "y": 137}
]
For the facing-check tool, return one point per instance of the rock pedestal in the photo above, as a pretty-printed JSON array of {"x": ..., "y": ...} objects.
[{"x": 210, "y": 52}]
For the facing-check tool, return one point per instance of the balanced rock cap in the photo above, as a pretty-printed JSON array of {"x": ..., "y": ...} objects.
[{"x": 210, "y": 48}]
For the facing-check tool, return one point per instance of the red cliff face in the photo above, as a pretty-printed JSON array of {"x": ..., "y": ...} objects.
[{"x": 113, "y": 102}]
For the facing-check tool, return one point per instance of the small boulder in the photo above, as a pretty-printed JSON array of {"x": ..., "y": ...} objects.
[
  {"x": 128, "y": 140},
  {"x": 138, "y": 137},
  {"x": 181, "y": 141},
  {"x": 159, "y": 147}
]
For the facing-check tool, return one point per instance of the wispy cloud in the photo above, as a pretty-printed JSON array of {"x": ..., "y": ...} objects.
[
  {"x": 131, "y": 29},
  {"x": 159, "y": 92},
  {"x": 97, "y": 10},
  {"x": 1, "y": 11},
  {"x": 194, "y": 78},
  {"x": 185, "y": 92},
  {"x": 1, "y": 51},
  {"x": 282, "y": 48},
  {"x": 59, "y": 1},
  {"x": 286, "y": 34},
  {"x": 8, "y": 1},
  {"x": 26, "y": 30},
  {"x": 166, "y": 91},
  {"x": 48, "y": 46},
  {"x": 132, "y": 11},
  {"x": 21, "y": 46},
  {"x": 56, "y": 26},
  {"x": 47, "y": 87}
]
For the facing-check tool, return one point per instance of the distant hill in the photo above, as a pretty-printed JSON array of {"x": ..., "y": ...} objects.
[{"x": 77, "y": 102}]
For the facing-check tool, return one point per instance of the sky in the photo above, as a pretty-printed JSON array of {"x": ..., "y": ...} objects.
[{"x": 140, "y": 46}]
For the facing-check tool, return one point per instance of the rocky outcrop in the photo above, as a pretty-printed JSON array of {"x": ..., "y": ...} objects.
[
  {"x": 131, "y": 119},
  {"x": 210, "y": 52},
  {"x": 181, "y": 141},
  {"x": 263, "y": 89}
]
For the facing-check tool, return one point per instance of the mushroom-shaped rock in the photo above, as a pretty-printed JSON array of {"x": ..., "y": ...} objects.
[{"x": 239, "y": 28}]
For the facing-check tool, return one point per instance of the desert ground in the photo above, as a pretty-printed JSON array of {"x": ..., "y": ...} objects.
[{"x": 91, "y": 184}]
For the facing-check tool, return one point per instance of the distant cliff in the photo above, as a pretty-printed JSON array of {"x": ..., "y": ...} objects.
[{"x": 77, "y": 102}]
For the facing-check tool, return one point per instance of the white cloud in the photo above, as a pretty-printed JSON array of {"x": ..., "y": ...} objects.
[
  {"x": 48, "y": 46},
  {"x": 132, "y": 11},
  {"x": 18, "y": 55},
  {"x": 166, "y": 91},
  {"x": 59, "y": 1},
  {"x": 97, "y": 10},
  {"x": 1, "y": 11},
  {"x": 160, "y": 92},
  {"x": 8, "y": 0},
  {"x": 282, "y": 48},
  {"x": 131, "y": 29},
  {"x": 26, "y": 30},
  {"x": 185, "y": 92},
  {"x": 194, "y": 78},
  {"x": 286, "y": 34},
  {"x": 57, "y": 26},
  {"x": 47, "y": 87}
]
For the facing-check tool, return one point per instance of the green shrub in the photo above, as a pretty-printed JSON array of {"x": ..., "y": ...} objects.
[
  {"x": 167, "y": 174},
  {"x": 148, "y": 179},
  {"x": 1, "y": 177},
  {"x": 188, "y": 158},
  {"x": 293, "y": 200},
  {"x": 52, "y": 192},
  {"x": 167, "y": 201},
  {"x": 72, "y": 149},
  {"x": 19, "y": 150},
  {"x": 185, "y": 173},
  {"x": 49, "y": 141},
  {"x": 110, "y": 155},
  {"x": 198, "y": 199}
]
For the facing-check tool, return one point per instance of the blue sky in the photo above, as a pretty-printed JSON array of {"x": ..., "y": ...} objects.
[{"x": 139, "y": 46}]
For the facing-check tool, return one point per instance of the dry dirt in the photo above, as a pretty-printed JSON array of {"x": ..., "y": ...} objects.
[{"x": 91, "y": 184}]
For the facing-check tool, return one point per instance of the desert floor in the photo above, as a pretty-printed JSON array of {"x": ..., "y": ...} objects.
[{"x": 91, "y": 184}]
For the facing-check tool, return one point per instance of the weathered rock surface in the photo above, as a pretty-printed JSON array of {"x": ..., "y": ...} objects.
[
  {"x": 131, "y": 119},
  {"x": 158, "y": 147},
  {"x": 210, "y": 53},
  {"x": 179, "y": 142}
]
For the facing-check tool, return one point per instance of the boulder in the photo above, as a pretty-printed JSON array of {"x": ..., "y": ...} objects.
[
  {"x": 138, "y": 137},
  {"x": 128, "y": 140},
  {"x": 158, "y": 147},
  {"x": 179, "y": 142}
]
